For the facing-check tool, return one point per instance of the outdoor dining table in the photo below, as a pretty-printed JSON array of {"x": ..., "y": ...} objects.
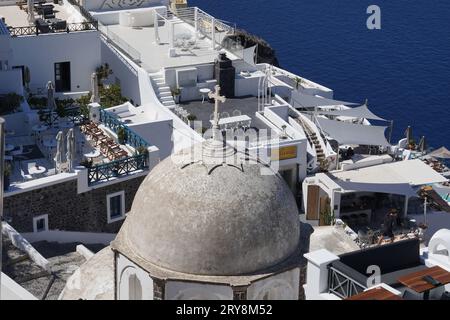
[
  {"x": 93, "y": 154},
  {"x": 377, "y": 293},
  {"x": 36, "y": 170},
  {"x": 230, "y": 120},
  {"x": 415, "y": 281},
  {"x": 204, "y": 92}
]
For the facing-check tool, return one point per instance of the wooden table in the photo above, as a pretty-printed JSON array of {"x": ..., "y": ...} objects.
[
  {"x": 378, "y": 293},
  {"x": 415, "y": 282}
]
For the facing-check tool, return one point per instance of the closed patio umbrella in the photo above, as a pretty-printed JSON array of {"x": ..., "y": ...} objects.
[
  {"x": 422, "y": 144},
  {"x": 70, "y": 154},
  {"x": 59, "y": 149},
  {"x": 94, "y": 88},
  {"x": 30, "y": 8},
  {"x": 51, "y": 104},
  {"x": 409, "y": 134}
]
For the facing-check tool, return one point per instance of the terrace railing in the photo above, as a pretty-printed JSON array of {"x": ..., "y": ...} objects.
[
  {"x": 342, "y": 285},
  {"x": 34, "y": 30},
  {"x": 111, "y": 122},
  {"x": 117, "y": 168}
]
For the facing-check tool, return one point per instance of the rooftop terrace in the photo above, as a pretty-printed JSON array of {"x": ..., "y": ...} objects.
[{"x": 17, "y": 16}]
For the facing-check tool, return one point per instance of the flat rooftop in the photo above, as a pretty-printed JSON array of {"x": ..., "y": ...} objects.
[
  {"x": 244, "y": 105},
  {"x": 155, "y": 56},
  {"x": 17, "y": 17}
]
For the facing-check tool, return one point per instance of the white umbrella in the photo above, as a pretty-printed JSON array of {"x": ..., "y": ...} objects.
[
  {"x": 422, "y": 144},
  {"x": 30, "y": 7},
  {"x": 94, "y": 87},
  {"x": 70, "y": 154},
  {"x": 59, "y": 149},
  {"x": 51, "y": 104}
]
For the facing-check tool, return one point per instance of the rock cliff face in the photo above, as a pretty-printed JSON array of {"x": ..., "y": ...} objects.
[{"x": 265, "y": 54}]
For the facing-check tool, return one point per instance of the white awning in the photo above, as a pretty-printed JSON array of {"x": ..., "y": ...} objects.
[
  {"x": 349, "y": 133},
  {"x": 361, "y": 112},
  {"x": 412, "y": 172},
  {"x": 308, "y": 101},
  {"x": 392, "y": 188},
  {"x": 249, "y": 55}
]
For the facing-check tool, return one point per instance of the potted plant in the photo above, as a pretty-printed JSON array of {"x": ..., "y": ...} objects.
[
  {"x": 412, "y": 145},
  {"x": 121, "y": 135},
  {"x": 6, "y": 176},
  {"x": 191, "y": 118},
  {"x": 176, "y": 93},
  {"x": 141, "y": 150},
  {"x": 298, "y": 81}
]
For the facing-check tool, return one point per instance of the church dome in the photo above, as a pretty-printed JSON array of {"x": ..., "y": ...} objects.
[{"x": 196, "y": 215}]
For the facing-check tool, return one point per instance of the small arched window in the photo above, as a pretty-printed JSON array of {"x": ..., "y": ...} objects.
[{"x": 134, "y": 288}]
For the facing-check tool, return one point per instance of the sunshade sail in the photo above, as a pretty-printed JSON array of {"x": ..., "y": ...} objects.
[
  {"x": 442, "y": 153},
  {"x": 358, "y": 112},
  {"x": 308, "y": 101},
  {"x": 349, "y": 133}
]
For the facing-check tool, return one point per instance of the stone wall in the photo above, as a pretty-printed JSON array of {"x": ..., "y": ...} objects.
[{"x": 67, "y": 210}]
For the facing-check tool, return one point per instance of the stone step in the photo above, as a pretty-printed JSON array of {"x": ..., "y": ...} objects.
[
  {"x": 161, "y": 83},
  {"x": 168, "y": 98},
  {"x": 165, "y": 94},
  {"x": 168, "y": 103},
  {"x": 164, "y": 89}
]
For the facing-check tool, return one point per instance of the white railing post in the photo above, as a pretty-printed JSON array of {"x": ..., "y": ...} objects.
[
  {"x": 213, "y": 33},
  {"x": 317, "y": 273},
  {"x": 156, "y": 27},
  {"x": 196, "y": 22}
]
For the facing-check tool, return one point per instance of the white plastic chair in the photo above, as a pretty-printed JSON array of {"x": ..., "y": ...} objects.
[{"x": 25, "y": 177}]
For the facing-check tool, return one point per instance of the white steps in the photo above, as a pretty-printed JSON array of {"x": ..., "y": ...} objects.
[{"x": 163, "y": 91}]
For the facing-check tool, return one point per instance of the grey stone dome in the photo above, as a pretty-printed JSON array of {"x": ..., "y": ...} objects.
[{"x": 195, "y": 215}]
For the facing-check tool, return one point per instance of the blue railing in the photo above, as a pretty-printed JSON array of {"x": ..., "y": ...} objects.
[
  {"x": 117, "y": 168},
  {"x": 132, "y": 138}
]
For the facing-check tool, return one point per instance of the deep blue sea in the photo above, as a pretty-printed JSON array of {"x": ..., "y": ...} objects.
[{"x": 403, "y": 69}]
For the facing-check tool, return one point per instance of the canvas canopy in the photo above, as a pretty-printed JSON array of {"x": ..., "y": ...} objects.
[
  {"x": 349, "y": 133},
  {"x": 442, "y": 153},
  {"x": 361, "y": 112},
  {"x": 309, "y": 101},
  {"x": 389, "y": 178}
]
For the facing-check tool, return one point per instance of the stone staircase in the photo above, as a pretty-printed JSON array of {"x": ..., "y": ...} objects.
[
  {"x": 43, "y": 284},
  {"x": 313, "y": 140},
  {"x": 162, "y": 90}
]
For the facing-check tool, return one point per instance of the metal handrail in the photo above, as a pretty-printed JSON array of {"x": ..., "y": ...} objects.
[
  {"x": 117, "y": 168},
  {"x": 35, "y": 30},
  {"x": 111, "y": 121},
  {"x": 346, "y": 286}
]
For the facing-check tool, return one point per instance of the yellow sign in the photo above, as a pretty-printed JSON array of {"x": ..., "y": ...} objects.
[{"x": 284, "y": 153}]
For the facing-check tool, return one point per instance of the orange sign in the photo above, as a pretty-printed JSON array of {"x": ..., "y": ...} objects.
[{"x": 284, "y": 153}]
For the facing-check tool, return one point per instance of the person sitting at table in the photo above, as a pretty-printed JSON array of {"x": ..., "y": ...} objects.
[{"x": 388, "y": 226}]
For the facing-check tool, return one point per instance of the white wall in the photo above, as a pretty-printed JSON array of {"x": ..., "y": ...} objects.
[
  {"x": 70, "y": 237},
  {"x": 11, "y": 290},
  {"x": 102, "y": 5},
  {"x": 283, "y": 286},
  {"x": 184, "y": 290},
  {"x": 125, "y": 268},
  {"x": 158, "y": 134},
  {"x": 124, "y": 71},
  {"x": 40, "y": 53}
]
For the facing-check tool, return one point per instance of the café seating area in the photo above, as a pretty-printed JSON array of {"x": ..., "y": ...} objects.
[
  {"x": 104, "y": 143},
  {"x": 400, "y": 268}
]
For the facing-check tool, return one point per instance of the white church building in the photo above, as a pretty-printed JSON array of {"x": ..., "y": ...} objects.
[{"x": 205, "y": 224}]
